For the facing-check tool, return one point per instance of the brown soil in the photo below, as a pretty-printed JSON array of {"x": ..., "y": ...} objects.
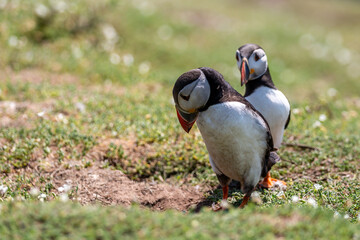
[
  {"x": 111, "y": 187},
  {"x": 108, "y": 186}
]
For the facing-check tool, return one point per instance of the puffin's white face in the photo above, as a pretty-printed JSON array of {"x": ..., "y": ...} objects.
[
  {"x": 257, "y": 64},
  {"x": 194, "y": 95},
  {"x": 253, "y": 67}
]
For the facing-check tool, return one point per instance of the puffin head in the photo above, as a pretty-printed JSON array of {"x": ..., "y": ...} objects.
[
  {"x": 191, "y": 92},
  {"x": 252, "y": 62}
]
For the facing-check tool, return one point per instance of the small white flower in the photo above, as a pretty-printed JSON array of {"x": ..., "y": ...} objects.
[
  {"x": 110, "y": 33},
  {"x": 255, "y": 197},
  {"x": 61, "y": 118},
  {"x": 43, "y": 195},
  {"x": 322, "y": 117},
  {"x": 224, "y": 204},
  {"x": 317, "y": 124},
  {"x": 336, "y": 214},
  {"x": 61, "y": 189},
  {"x": 332, "y": 92},
  {"x": 3, "y": 189},
  {"x": 317, "y": 186},
  {"x": 67, "y": 187},
  {"x": 114, "y": 58},
  {"x": 128, "y": 60},
  {"x": 280, "y": 194},
  {"x": 295, "y": 199},
  {"x": 144, "y": 68},
  {"x": 312, "y": 202},
  {"x": 59, "y": 6},
  {"x": 41, "y": 114},
  {"x": 34, "y": 191},
  {"x": 296, "y": 111},
  {"x": 13, "y": 41},
  {"x": 279, "y": 185},
  {"x": 41, "y": 10},
  {"x": 80, "y": 106},
  {"x": 255, "y": 194},
  {"x": 64, "y": 197},
  {"x": 346, "y": 216}
]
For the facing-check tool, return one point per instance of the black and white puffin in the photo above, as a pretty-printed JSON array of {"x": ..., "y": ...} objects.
[
  {"x": 263, "y": 95},
  {"x": 236, "y": 135}
]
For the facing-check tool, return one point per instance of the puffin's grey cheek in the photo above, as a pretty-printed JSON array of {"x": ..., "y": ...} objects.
[{"x": 201, "y": 94}]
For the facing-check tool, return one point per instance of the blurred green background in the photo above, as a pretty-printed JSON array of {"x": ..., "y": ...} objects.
[{"x": 312, "y": 46}]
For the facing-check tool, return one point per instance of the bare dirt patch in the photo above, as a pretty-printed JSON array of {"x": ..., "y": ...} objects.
[
  {"x": 111, "y": 187},
  {"x": 106, "y": 185}
]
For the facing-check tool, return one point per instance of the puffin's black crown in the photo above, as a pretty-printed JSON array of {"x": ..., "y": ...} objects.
[
  {"x": 183, "y": 80},
  {"x": 247, "y": 49}
]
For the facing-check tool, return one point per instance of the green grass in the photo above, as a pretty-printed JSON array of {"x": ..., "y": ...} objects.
[
  {"x": 57, "y": 220},
  {"x": 123, "y": 58}
]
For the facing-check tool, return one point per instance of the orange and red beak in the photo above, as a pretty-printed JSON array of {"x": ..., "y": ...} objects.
[
  {"x": 244, "y": 70},
  {"x": 186, "y": 119}
]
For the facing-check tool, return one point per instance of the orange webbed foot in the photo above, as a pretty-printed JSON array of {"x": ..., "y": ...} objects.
[{"x": 269, "y": 182}]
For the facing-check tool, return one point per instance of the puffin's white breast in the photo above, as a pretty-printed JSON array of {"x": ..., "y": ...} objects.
[
  {"x": 275, "y": 107},
  {"x": 235, "y": 137}
]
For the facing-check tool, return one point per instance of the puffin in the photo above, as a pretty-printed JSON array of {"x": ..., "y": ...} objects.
[
  {"x": 261, "y": 92},
  {"x": 236, "y": 135}
]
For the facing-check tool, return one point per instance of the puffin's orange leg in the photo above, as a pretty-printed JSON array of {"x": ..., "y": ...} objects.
[
  {"x": 245, "y": 200},
  {"x": 268, "y": 182},
  {"x": 225, "y": 192}
]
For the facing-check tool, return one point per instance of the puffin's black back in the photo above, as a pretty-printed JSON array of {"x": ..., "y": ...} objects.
[{"x": 220, "y": 90}]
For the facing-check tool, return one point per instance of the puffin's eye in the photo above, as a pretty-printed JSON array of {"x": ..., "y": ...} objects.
[
  {"x": 237, "y": 56},
  {"x": 186, "y": 98},
  {"x": 256, "y": 57}
]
